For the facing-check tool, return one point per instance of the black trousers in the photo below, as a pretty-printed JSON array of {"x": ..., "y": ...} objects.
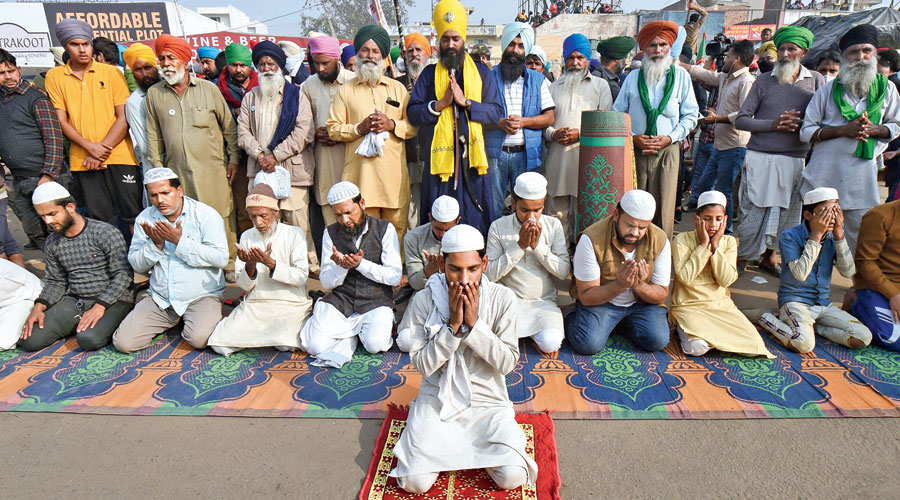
[{"x": 115, "y": 191}]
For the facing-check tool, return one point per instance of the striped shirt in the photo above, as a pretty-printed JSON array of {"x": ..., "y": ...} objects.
[{"x": 512, "y": 94}]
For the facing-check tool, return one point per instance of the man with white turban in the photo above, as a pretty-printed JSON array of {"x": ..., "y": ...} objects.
[
  {"x": 422, "y": 248},
  {"x": 464, "y": 342},
  {"x": 526, "y": 250},
  {"x": 272, "y": 268},
  {"x": 850, "y": 123},
  {"x": 622, "y": 267},
  {"x": 181, "y": 243},
  {"x": 515, "y": 144},
  {"x": 577, "y": 90},
  {"x": 360, "y": 266},
  {"x": 87, "y": 283},
  {"x": 660, "y": 99}
]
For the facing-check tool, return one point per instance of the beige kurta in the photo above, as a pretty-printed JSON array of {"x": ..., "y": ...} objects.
[
  {"x": 276, "y": 306},
  {"x": 383, "y": 180},
  {"x": 529, "y": 273},
  {"x": 486, "y": 434},
  {"x": 329, "y": 159},
  {"x": 196, "y": 136},
  {"x": 701, "y": 304},
  {"x": 562, "y": 161}
]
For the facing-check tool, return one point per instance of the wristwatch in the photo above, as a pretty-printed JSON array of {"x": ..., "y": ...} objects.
[
  {"x": 460, "y": 333},
  {"x": 469, "y": 104}
]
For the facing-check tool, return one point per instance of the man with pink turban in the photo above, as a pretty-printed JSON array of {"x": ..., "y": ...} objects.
[
  {"x": 320, "y": 89},
  {"x": 660, "y": 100}
]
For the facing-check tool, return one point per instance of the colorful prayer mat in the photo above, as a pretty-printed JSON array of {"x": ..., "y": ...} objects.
[
  {"x": 605, "y": 165},
  {"x": 171, "y": 378},
  {"x": 459, "y": 485}
]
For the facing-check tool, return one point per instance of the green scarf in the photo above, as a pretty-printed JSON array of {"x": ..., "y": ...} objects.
[
  {"x": 653, "y": 114},
  {"x": 878, "y": 90}
]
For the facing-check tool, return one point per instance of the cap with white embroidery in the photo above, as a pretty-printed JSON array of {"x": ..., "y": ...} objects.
[
  {"x": 819, "y": 195},
  {"x": 159, "y": 174},
  {"x": 531, "y": 186},
  {"x": 638, "y": 204},
  {"x": 445, "y": 209},
  {"x": 49, "y": 191},
  {"x": 342, "y": 191},
  {"x": 462, "y": 238},
  {"x": 711, "y": 198}
]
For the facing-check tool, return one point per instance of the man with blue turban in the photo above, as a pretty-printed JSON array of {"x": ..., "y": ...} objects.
[
  {"x": 576, "y": 90},
  {"x": 207, "y": 56},
  {"x": 514, "y": 145}
]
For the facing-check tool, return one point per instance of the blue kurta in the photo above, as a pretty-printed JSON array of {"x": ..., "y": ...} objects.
[{"x": 487, "y": 112}]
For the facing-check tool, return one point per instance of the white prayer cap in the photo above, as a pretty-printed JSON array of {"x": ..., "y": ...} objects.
[
  {"x": 462, "y": 238},
  {"x": 531, "y": 186},
  {"x": 49, "y": 191},
  {"x": 158, "y": 174},
  {"x": 711, "y": 198},
  {"x": 342, "y": 191},
  {"x": 819, "y": 195},
  {"x": 445, "y": 209},
  {"x": 638, "y": 204}
]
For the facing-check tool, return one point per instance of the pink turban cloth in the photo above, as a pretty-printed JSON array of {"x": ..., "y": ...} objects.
[{"x": 326, "y": 46}]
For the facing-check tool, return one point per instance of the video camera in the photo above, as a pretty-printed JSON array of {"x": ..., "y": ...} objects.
[{"x": 718, "y": 49}]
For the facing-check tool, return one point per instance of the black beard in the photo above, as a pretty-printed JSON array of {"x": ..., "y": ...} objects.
[
  {"x": 146, "y": 83},
  {"x": 354, "y": 231},
  {"x": 512, "y": 66},
  {"x": 329, "y": 77},
  {"x": 451, "y": 59},
  {"x": 66, "y": 224}
]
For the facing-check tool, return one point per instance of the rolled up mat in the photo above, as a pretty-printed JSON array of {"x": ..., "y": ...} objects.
[{"x": 605, "y": 165}]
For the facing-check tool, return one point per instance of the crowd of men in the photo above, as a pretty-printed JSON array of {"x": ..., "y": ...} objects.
[{"x": 368, "y": 182}]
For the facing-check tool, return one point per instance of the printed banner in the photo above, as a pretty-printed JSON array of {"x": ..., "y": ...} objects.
[
  {"x": 24, "y": 33},
  {"x": 120, "y": 22}
]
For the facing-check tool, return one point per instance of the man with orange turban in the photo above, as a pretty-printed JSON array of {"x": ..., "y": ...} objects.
[
  {"x": 416, "y": 53},
  {"x": 660, "y": 99},
  {"x": 191, "y": 131}
]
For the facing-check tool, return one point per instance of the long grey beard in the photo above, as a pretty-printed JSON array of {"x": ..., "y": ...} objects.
[
  {"x": 368, "y": 71},
  {"x": 172, "y": 78},
  {"x": 857, "y": 77},
  {"x": 414, "y": 69},
  {"x": 270, "y": 83},
  {"x": 785, "y": 69},
  {"x": 572, "y": 79},
  {"x": 655, "y": 69}
]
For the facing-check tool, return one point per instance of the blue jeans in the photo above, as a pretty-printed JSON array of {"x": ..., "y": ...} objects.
[
  {"x": 588, "y": 327},
  {"x": 728, "y": 164},
  {"x": 503, "y": 171},
  {"x": 702, "y": 178}
]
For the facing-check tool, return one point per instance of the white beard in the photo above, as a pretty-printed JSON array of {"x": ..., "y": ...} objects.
[
  {"x": 172, "y": 76},
  {"x": 857, "y": 77},
  {"x": 414, "y": 69},
  {"x": 655, "y": 69},
  {"x": 368, "y": 71},
  {"x": 572, "y": 79},
  {"x": 270, "y": 83},
  {"x": 785, "y": 69}
]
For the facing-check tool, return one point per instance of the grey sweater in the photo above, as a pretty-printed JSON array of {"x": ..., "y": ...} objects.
[{"x": 766, "y": 102}]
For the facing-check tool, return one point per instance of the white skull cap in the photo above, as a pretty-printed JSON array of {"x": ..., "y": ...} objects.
[
  {"x": 342, "y": 191},
  {"x": 49, "y": 191},
  {"x": 445, "y": 209},
  {"x": 159, "y": 174},
  {"x": 638, "y": 204},
  {"x": 531, "y": 186},
  {"x": 462, "y": 238}
]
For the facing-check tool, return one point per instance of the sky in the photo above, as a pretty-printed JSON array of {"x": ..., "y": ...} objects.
[{"x": 493, "y": 12}]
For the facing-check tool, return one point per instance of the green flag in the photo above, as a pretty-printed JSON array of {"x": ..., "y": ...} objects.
[{"x": 701, "y": 51}]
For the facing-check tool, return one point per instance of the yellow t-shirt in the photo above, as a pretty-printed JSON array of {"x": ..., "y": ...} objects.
[{"x": 91, "y": 104}]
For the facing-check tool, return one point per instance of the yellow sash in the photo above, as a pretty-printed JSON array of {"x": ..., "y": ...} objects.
[{"x": 443, "y": 142}]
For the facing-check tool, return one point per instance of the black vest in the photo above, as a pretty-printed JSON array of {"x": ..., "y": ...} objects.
[
  {"x": 358, "y": 294},
  {"x": 21, "y": 142}
]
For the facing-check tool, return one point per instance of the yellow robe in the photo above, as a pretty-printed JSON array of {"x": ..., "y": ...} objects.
[{"x": 701, "y": 303}]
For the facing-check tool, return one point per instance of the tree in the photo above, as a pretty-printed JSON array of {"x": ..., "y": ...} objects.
[{"x": 343, "y": 18}]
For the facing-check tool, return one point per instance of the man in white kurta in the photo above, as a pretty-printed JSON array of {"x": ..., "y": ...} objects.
[
  {"x": 576, "y": 91},
  {"x": 840, "y": 158},
  {"x": 464, "y": 342},
  {"x": 526, "y": 250},
  {"x": 272, "y": 268},
  {"x": 18, "y": 289},
  {"x": 422, "y": 247},
  {"x": 360, "y": 266}
]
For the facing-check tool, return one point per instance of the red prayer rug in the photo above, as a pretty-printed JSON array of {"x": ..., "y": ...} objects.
[{"x": 465, "y": 484}]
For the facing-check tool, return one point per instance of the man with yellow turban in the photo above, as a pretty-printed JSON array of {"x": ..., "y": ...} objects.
[
  {"x": 773, "y": 112},
  {"x": 142, "y": 61},
  {"x": 767, "y": 54},
  {"x": 515, "y": 144},
  {"x": 660, "y": 99},
  {"x": 450, "y": 114},
  {"x": 416, "y": 53}
]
